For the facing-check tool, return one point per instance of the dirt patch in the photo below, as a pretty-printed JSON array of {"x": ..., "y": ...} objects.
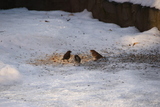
[
  {"x": 119, "y": 61},
  {"x": 141, "y": 58},
  {"x": 56, "y": 59}
]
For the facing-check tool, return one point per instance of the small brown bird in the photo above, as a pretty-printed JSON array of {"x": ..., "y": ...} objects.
[
  {"x": 96, "y": 55},
  {"x": 67, "y": 55},
  {"x": 77, "y": 59}
]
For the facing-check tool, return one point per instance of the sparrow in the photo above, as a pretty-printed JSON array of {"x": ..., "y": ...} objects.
[
  {"x": 77, "y": 59},
  {"x": 67, "y": 55},
  {"x": 96, "y": 55}
]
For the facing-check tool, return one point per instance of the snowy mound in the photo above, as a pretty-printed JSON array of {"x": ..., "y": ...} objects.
[
  {"x": 8, "y": 74},
  {"x": 149, "y": 3}
]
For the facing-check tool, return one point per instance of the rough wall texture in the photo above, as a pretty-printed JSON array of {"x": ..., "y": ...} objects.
[{"x": 124, "y": 14}]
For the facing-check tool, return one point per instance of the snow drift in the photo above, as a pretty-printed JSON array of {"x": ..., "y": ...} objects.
[
  {"x": 8, "y": 74},
  {"x": 149, "y": 3}
]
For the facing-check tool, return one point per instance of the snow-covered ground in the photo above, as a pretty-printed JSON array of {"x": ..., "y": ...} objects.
[
  {"x": 129, "y": 78},
  {"x": 148, "y": 3}
]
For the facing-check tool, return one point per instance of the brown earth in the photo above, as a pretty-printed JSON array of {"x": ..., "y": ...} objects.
[{"x": 56, "y": 59}]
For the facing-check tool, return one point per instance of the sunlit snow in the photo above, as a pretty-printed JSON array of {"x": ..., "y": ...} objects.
[{"x": 148, "y": 3}]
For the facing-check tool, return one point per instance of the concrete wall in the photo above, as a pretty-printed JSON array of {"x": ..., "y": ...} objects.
[{"x": 125, "y": 14}]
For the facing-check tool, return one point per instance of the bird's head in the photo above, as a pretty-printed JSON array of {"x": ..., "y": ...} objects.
[
  {"x": 69, "y": 51},
  {"x": 92, "y": 51}
]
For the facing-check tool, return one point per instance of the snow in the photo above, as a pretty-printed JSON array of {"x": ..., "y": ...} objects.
[
  {"x": 148, "y": 3},
  {"x": 130, "y": 76},
  {"x": 8, "y": 74}
]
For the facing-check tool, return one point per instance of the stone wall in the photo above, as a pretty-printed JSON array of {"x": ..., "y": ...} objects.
[{"x": 123, "y": 14}]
